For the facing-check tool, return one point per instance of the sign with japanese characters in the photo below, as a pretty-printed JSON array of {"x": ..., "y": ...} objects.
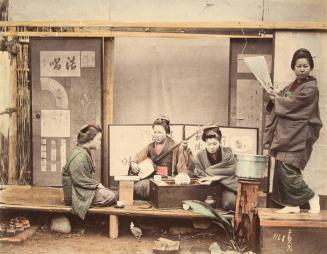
[{"x": 60, "y": 63}]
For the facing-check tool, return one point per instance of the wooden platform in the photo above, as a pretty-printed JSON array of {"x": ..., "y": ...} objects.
[
  {"x": 292, "y": 233},
  {"x": 45, "y": 199},
  {"x": 140, "y": 208}
]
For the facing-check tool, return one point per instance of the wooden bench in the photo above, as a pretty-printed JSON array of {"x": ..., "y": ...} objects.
[
  {"x": 292, "y": 233},
  {"x": 45, "y": 199}
]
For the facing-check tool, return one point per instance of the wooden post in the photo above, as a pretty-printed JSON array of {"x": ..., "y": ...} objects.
[
  {"x": 12, "y": 137},
  {"x": 107, "y": 106},
  {"x": 113, "y": 226},
  {"x": 245, "y": 214}
]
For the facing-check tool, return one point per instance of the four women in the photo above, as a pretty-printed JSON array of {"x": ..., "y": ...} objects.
[{"x": 292, "y": 128}]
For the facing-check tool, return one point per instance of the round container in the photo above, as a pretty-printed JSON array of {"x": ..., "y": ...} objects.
[{"x": 250, "y": 166}]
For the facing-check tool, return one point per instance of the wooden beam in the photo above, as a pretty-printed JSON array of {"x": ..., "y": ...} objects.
[
  {"x": 218, "y": 24},
  {"x": 107, "y": 106},
  {"x": 129, "y": 34}
]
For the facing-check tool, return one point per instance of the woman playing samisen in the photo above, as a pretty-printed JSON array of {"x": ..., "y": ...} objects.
[{"x": 166, "y": 160}]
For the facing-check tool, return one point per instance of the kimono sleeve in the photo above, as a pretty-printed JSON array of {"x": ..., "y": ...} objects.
[
  {"x": 80, "y": 172},
  {"x": 226, "y": 167},
  {"x": 141, "y": 155},
  {"x": 298, "y": 106},
  {"x": 199, "y": 167}
]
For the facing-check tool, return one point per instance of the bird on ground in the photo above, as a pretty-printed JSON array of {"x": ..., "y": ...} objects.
[{"x": 137, "y": 232}]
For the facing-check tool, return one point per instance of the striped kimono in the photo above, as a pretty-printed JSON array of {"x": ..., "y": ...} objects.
[{"x": 79, "y": 185}]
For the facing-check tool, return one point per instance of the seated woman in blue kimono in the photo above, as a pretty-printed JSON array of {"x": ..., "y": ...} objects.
[{"x": 215, "y": 160}]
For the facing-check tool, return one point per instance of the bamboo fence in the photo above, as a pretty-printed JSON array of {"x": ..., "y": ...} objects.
[
  {"x": 24, "y": 168},
  {"x": 3, "y": 159}
]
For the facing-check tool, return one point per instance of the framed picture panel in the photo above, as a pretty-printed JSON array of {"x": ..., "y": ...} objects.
[{"x": 241, "y": 140}]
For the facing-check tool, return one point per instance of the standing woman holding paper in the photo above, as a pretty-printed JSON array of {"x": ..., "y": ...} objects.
[{"x": 292, "y": 128}]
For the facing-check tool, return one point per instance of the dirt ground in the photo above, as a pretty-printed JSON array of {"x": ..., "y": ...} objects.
[{"x": 92, "y": 237}]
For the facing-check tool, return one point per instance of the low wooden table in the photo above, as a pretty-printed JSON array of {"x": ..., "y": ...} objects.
[{"x": 166, "y": 194}]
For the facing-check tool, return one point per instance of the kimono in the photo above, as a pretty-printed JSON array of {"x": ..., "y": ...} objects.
[
  {"x": 292, "y": 127},
  {"x": 226, "y": 168},
  {"x": 178, "y": 161},
  {"x": 79, "y": 185}
]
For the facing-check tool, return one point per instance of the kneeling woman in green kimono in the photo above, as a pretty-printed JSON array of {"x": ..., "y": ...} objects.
[
  {"x": 166, "y": 161},
  {"x": 215, "y": 160},
  {"x": 81, "y": 189},
  {"x": 292, "y": 128}
]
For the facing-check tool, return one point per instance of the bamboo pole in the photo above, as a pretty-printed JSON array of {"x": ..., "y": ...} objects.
[
  {"x": 212, "y": 24},
  {"x": 130, "y": 34},
  {"x": 12, "y": 137},
  {"x": 107, "y": 106}
]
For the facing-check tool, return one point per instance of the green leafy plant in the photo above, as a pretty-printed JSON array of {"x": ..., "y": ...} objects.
[{"x": 217, "y": 218}]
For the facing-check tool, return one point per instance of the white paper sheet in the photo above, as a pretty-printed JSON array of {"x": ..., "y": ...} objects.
[{"x": 55, "y": 123}]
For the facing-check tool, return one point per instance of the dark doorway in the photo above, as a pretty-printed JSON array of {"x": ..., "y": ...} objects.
[{"x": 246, "y": 95}]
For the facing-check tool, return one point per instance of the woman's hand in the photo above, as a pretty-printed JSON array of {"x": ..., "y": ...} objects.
[
  {"x": 184, "y": 144},
  {"x": 100, "y": 186},
  {"x": 272, "y": 94},
  {"x": 134, "y": 168}
]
